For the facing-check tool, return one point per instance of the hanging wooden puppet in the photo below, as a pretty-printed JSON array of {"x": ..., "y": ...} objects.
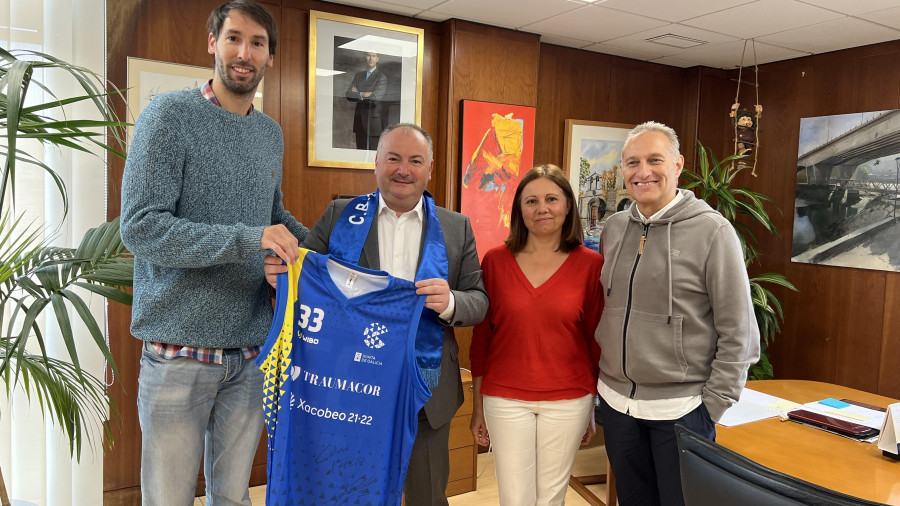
[{"x": 746, "y": 121}]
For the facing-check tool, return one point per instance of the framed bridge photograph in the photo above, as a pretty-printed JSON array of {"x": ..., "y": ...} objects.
[
  {"x": 363, "y": 76},
  {"x": 848, "y": 191}
]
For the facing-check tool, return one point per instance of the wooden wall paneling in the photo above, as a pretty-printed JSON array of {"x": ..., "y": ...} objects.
[
  {"x": 888, "y": 379},
  {"x": 433, "y": 75},
  {"x": 832, "y": 85},
  {"x": 805, "y": 352},
  {"x": 783, "y": 98},
  {"x": 690, "y": 126},
  {"x": 294, "y": 70},
  {"x": 832, "y": 330},
  {"x": 572, "y": 84},
  {"x": 715, "y": 91},
  {"x": 464, "y": 339},
  {"x": 817, "y": 342},
  {"x": 858, "y": 327},
  {"x": 881, "y": 72},
  {"x": 879, "y": 76},
  {"x": 642, "y": 91},
  {"x": 490, "y": 64},
  {"x": 448, "y": 135},
  {"x": 123, "y": 21}
]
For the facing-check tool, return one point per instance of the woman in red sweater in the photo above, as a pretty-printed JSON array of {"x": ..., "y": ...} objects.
[{"x": 534, "y": 358}]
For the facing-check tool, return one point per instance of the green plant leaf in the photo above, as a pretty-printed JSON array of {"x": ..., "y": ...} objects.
[
  {"x": 34, "y": 276},
  {"x": 774, "y": 278},
  {"x": 713, "y": 183},
  {"x": 88, "y": 318}
]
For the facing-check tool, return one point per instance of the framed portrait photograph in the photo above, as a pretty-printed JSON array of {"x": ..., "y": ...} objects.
[
  {"x": 149, "y": 78},
  {"x": 593, "y": 161},
  {"x": 497, "y": 149},
  {"x": 363, "y": 76}
]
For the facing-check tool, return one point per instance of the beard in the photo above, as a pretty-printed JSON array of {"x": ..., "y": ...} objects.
[{"x": 235, "y": 86}]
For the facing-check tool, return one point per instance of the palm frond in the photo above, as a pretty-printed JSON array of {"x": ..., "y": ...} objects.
[
  {"x": 34, "y": 276},
  {"x": 20, "y": 122},
  {"x": 76, "y": 401},
  {"x": 99, "y": 265},
  {"x": 713, "y": 183}
]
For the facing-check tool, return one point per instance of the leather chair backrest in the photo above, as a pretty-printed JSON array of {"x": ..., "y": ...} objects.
[{"x": 712, "y": 475}]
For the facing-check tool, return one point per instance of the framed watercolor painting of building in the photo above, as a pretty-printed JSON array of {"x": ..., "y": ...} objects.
[{"x": 592, "y": 159}]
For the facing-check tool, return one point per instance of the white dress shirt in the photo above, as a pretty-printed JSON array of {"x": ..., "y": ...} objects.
[{"x": 399, "y": 243}]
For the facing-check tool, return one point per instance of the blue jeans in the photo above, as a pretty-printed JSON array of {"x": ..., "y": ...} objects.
[
  {"x": 184, "y": 403},
  {"x": 644, "y": 455}
]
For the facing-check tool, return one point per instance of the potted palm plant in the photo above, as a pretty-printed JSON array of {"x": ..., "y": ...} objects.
[
  {"x": 35, "y": 276},
  {"x": 713, "y": 183}
]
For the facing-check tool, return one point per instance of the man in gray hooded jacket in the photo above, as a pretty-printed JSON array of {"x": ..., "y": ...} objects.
[{"x": 678, "y": 332}]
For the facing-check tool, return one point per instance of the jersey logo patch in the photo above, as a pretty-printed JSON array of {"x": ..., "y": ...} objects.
[{"x": 373, "y": 335}]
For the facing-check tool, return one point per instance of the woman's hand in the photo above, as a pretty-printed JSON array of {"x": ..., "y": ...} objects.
[
  {"x": 590, "y": 431},
  {"x": 479, "y": 429},
  {"x": 477, "y": 425}
]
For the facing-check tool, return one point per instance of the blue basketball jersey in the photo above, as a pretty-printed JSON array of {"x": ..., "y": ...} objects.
[{"x": 342, "y": 390}]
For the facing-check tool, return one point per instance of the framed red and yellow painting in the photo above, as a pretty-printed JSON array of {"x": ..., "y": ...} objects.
[{"x": 497, "y": 144}]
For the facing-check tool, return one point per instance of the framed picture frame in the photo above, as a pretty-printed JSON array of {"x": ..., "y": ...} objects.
[
  {"x": 149, "y": 78},
  {"x": 497, "y": 149},
  {"x": 593, "y": 161},
  {"x": 847, "y": 191},
  {"x": 351, "y": 97}
]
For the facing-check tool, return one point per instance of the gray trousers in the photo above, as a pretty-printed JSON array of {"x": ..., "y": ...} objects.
[{"x": 429, "y": 466}]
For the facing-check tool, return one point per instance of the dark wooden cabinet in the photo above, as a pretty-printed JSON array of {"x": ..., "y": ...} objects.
[{"x": 463, "y": 452}]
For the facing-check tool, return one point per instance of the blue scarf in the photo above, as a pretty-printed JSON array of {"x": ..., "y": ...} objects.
[{"x": 346, "y": 242}]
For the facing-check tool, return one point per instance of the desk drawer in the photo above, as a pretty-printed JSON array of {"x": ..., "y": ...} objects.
[{"x": 460, "y": 435}]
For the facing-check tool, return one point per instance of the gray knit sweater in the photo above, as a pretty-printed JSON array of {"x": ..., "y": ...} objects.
[{"x": 200, "y": 185}]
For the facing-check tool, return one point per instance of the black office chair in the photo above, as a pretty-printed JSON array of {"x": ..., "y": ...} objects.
[{"x": 714, "y": 475}]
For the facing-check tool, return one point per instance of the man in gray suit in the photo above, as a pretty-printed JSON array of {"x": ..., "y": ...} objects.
[{"x": 395, "y": 242}]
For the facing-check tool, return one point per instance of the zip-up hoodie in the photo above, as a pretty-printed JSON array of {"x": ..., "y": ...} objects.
[{"x": 678, "y": 319}]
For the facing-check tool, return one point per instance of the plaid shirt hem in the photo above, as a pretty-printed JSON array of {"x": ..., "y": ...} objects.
[{"x": 205, "y": 355}]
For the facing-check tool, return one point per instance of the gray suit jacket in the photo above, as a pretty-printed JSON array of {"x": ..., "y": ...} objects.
[{"x": 464, "y": 278}]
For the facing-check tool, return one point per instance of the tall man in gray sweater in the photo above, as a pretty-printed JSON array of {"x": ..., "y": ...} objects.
[
  {"x": 678, "y": 331},
  {"x": 201, "y": 204}
]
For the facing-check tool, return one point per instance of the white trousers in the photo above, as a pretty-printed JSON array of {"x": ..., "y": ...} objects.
[{"x": 534, "y": 444}]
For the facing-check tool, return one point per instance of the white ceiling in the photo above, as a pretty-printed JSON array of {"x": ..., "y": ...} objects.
[{"x": 781, "y": 29}]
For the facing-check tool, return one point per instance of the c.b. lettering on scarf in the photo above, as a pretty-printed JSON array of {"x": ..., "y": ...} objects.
[{"x": 356, "y": 219}]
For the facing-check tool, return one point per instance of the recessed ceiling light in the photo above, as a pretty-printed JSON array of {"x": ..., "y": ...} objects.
[
  {"x": 670, "y": 39},
  {"x": 587, "y": 1}
]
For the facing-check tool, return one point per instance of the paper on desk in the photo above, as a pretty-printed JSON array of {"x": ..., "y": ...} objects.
[
  {"x": 754, "y": 406},
  {"x": 889, "y": 440},
  {"x": 852, "y": 413}
]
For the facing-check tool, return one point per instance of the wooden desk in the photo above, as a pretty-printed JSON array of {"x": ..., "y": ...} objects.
[{"x": 828, "y": 460}]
